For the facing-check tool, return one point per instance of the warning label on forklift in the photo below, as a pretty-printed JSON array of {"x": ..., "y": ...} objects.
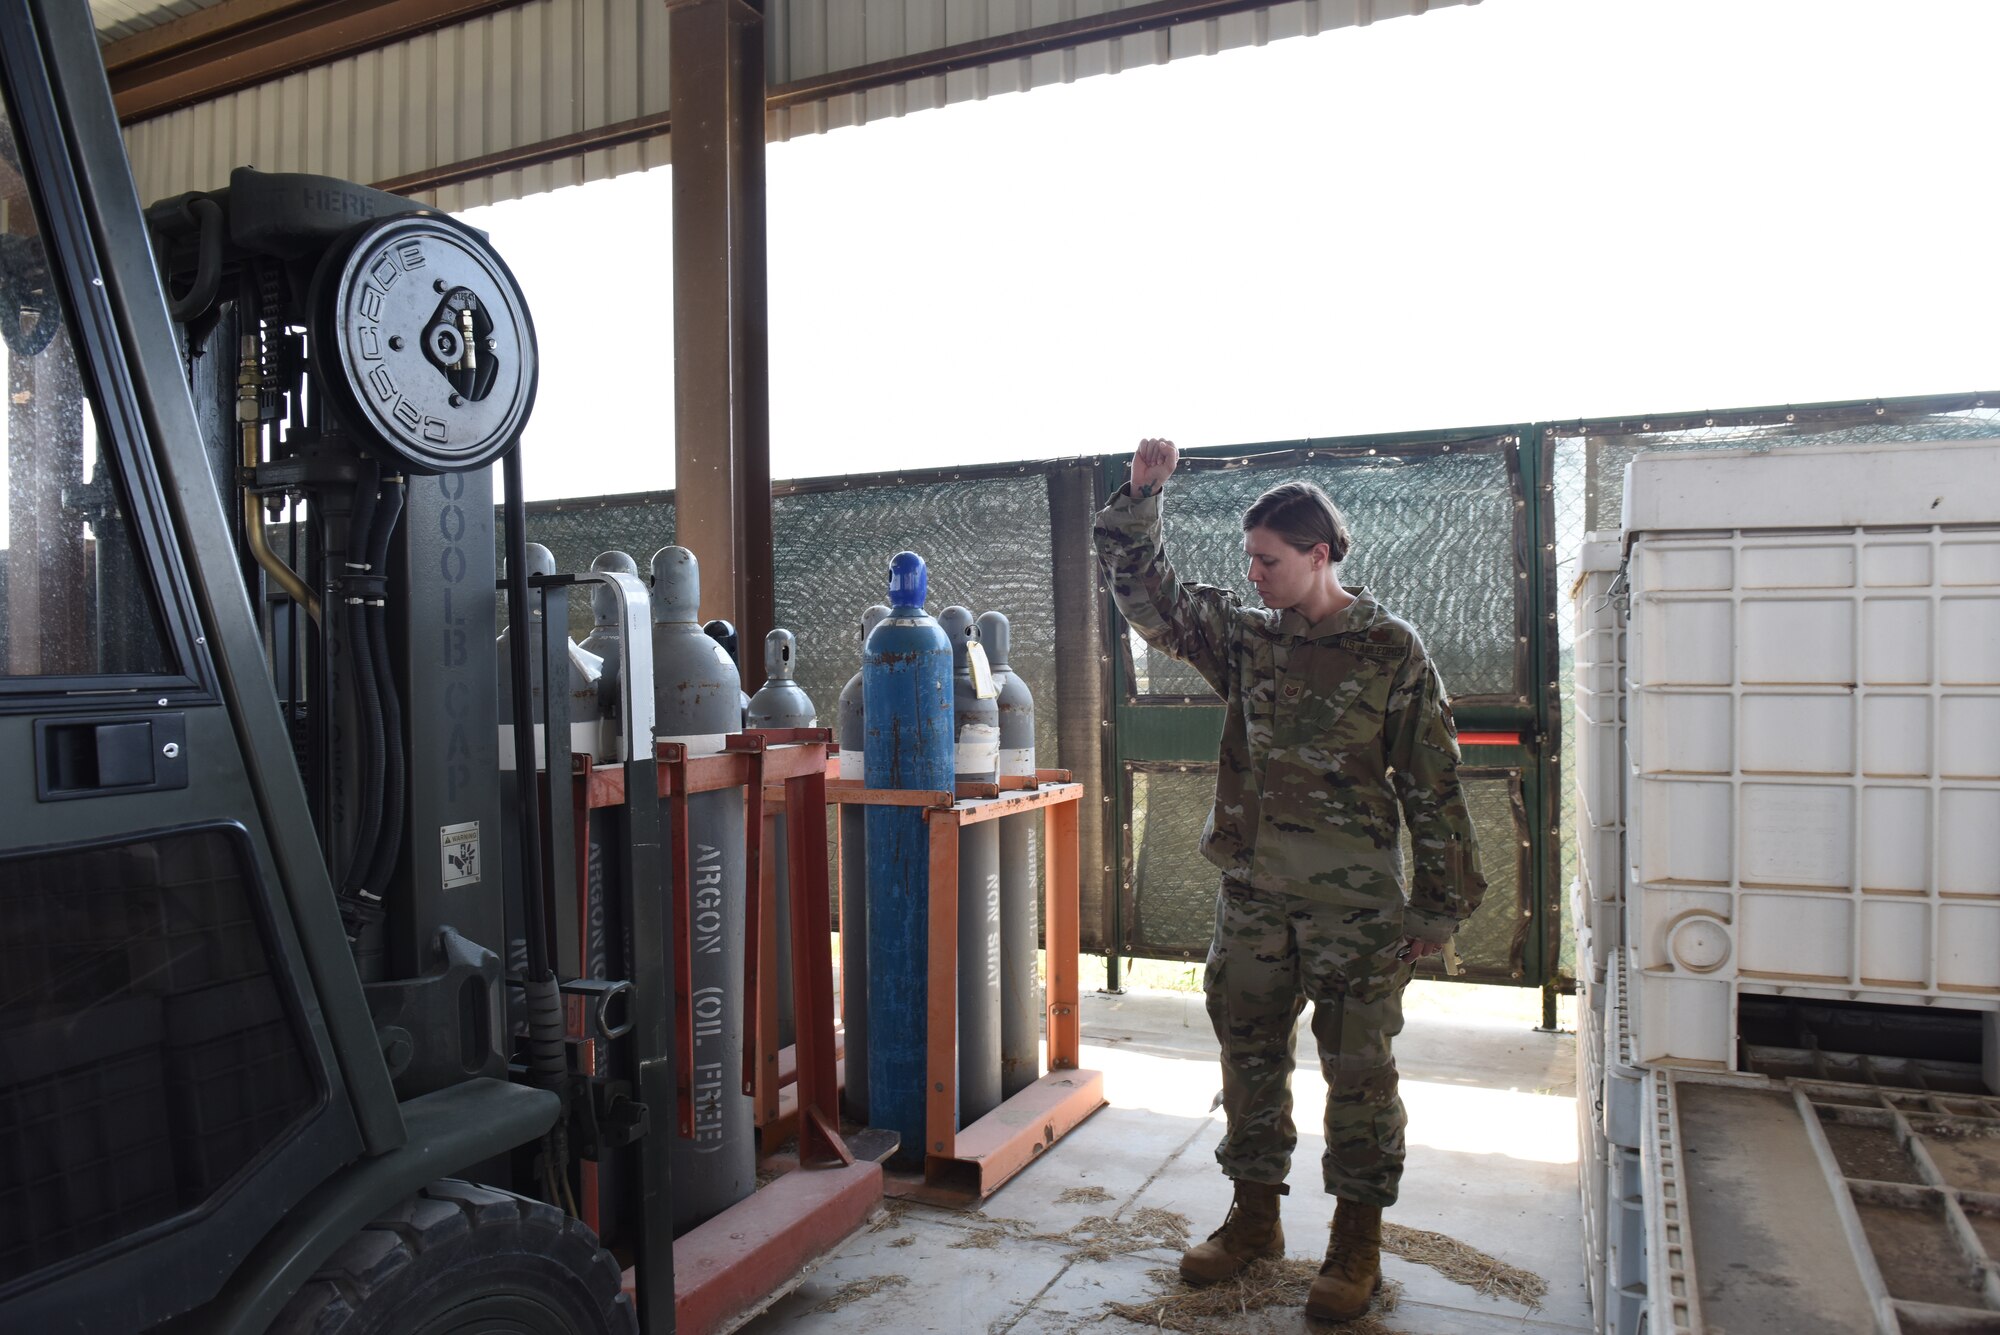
[{"x": 459, "y": 850}]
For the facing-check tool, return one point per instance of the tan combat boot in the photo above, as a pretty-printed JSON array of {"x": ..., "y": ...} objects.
[
  {"x": 1250, "y": 1233},
  {"x": 1352, "y": 1271}
]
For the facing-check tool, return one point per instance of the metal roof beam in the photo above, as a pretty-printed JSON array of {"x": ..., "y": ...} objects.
[{"x": 238, "y": 43}]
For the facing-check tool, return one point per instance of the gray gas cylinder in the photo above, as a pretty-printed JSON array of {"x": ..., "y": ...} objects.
[
  {"x": 782, "y": 703},
  {"x": 852, "y": 738},
  {"x": 585, "y": 669},
  {"x": 603, "y": 642},
  {"x": 696, "y": 695},
  {"x": 724, "y": 633},
  {"x": 976, "y": 733},
  {"x": 1020, "y": 1002}
]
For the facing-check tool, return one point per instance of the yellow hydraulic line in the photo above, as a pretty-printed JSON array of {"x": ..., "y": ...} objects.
[{"x": 252, "y": 430}]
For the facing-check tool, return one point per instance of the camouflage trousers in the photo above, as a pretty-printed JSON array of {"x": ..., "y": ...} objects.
[{"x": 1271, "y": 954}]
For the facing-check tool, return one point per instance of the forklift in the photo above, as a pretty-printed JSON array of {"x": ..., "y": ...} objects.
[{"x": 283, "y": 905}]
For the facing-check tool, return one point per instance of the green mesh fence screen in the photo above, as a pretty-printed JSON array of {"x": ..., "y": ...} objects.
[
  {"x": 1174, "y": 907},
  {"x": 1434, "y": 540},
  {"x": 986, "y": 542},
  {"x": 576, "y": 531}
]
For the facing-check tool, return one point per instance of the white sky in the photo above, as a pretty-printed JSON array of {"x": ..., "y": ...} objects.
[{"x": 1523, "y": 210}]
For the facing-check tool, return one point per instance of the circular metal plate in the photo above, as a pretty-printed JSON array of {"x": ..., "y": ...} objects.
[{"x": 424, "y": 341}]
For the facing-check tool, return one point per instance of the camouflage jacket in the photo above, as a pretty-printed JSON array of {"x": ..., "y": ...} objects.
[{"x": 1331, "y": 728}]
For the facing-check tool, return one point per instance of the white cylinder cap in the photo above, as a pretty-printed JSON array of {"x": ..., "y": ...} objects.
[{"x": 676, "y": 585}]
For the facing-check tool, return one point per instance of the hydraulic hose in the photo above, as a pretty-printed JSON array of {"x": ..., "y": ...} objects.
[
  {"x": 368, "y": 700},
  {"x": 389, "y": 837},
  {"x": 534, "y": 894},
  {"x": 250, "y": 424},
  {"x": 208, "y": 263},
  {"x": 548, "y": 1060}
]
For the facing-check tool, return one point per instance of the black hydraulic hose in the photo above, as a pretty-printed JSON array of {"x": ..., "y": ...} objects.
[
  {"x": 208, "y": 264},
  {"x": 534, "y": 894},
  {"x": 294, "y": 664},
  {"x": 545, "y": 1012},
  {"x": 389, "y": 838},
  {"x": 361, "y": 668},
  {"x": 548, "y": 1058}
]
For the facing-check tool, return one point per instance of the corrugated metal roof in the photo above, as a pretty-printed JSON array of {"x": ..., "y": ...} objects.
[
  {"x": 552, "y": 68},
  {"x": 519, "y": 76}
]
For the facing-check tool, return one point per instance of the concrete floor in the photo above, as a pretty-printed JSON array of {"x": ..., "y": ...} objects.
[{"x": 1492, "y": 1163}]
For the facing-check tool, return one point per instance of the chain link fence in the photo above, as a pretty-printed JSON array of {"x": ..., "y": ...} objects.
[{"x": 1437, "y": 537}]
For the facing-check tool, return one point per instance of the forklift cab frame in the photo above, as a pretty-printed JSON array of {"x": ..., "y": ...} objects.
[{"x": 188, "y": 1068}]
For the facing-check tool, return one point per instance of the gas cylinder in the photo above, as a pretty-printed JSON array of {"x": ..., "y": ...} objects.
[
  {"x": 724, "y": 633},
  {"x": 782, "y": 703},
  {"x": 906, "y": 708},
  {"x": 696, "y": 698},
  {"x": 603, "y": 642},
  {"x": 976, "y": 734},
  {"x": 1020, "y": 1004},
  {"x": 854, "y": 891},
  {"x": 585, "y": 669}
]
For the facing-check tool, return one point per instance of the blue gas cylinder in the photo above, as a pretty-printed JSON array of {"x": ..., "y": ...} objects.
[{"x": 906, "y": 689}]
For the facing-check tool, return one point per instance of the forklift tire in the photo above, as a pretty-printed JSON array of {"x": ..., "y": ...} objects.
[{"x": 460, "y": 1259}]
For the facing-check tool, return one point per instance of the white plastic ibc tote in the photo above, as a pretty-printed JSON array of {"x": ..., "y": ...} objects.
[{"x": 1813, "y": 803}]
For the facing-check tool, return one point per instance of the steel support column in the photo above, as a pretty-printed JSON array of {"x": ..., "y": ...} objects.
[{"x": 722, "y": 421}]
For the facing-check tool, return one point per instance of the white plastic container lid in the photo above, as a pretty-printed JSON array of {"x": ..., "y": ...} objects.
[{"x": 1941, "y": 482}]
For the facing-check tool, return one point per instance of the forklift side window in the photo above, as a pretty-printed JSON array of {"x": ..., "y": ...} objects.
[{"x": 75, "y": 599}]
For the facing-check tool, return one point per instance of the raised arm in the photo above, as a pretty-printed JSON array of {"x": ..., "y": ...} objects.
[
  {"x": 1446, "y": 884},
  {"x": 1187, "y": 621}
]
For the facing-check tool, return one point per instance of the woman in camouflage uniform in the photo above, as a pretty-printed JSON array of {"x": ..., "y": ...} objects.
[{"x": 1337, "y": 722}]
